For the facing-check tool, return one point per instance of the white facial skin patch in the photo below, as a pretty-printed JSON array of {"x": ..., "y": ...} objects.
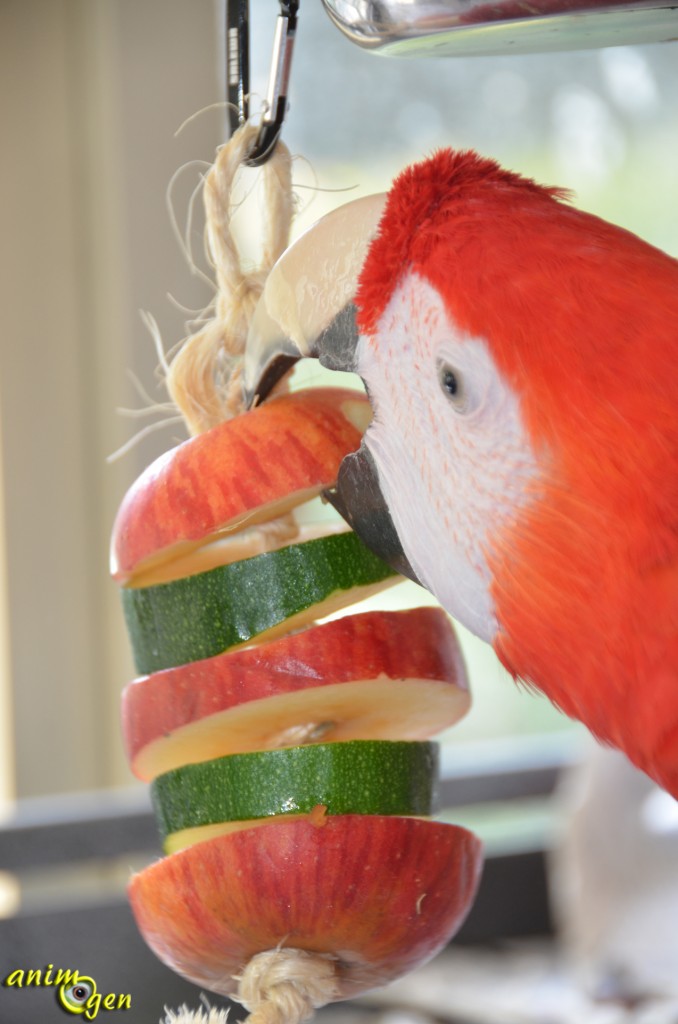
[{"x": 453, "y": 456}]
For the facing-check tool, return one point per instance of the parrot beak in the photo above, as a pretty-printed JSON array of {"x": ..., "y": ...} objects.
[
  {"x": 358, "y": 499},
  {"x": 307, "y": 310}
]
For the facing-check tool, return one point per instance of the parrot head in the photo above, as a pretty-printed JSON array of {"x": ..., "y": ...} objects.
[{"x": 521, "y": 359}]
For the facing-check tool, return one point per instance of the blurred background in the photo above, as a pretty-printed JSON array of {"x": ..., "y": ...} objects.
[{"x": 111, "y": 113}]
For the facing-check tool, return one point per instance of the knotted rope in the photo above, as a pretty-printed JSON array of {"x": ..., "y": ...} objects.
[
  {"x": 204, "y": 378},
  {"x": 285, "y": 986},
  {"x": 278, "y": 986}
]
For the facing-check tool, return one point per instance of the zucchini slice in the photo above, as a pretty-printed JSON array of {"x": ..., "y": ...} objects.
[
  {"x": 202, "y": 615},
  {"x": 358, "y": 777}
]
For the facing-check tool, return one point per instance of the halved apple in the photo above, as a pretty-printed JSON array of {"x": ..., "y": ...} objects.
[
  {"x": 375, "y": 675},
  {"x": 247, "y": 470},
  {"x": 379, "y": 895}
]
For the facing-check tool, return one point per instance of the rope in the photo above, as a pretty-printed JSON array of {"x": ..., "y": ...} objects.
[
  {"x": 185, "y": 1016},
  {"x": 204, "y": 378},
  {"x": 278, "y": 986},
  {"x": 285, "y": 986}
]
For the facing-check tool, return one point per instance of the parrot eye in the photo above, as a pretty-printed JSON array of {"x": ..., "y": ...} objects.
[{"x": 451, "y": 383}]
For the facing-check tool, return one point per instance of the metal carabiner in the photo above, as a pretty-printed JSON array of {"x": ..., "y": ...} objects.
[{"x": 238, "y": 74}]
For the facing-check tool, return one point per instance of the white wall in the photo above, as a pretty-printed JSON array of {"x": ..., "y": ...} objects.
[{"x": 92, "y": 92}]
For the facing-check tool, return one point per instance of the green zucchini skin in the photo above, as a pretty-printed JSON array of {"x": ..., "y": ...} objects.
[
  {"x": 198, "y": 616},
  {"x": 385, "y": 777}
]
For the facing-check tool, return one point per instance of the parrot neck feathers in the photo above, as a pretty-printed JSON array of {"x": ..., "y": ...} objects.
[{"x": 592, "y": 627}]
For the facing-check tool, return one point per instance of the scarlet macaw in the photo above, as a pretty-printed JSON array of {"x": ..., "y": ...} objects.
[{"x": 521, "y": 358}]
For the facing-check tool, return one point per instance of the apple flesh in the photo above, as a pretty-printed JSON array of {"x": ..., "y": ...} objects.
[
  {"x": 380, "y": 895},
  {"x": 375, "y": 675},
  {"x": 250, "y": 469}
]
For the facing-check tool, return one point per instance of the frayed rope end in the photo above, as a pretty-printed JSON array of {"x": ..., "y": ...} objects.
[{"x": 185, "y": 1016}]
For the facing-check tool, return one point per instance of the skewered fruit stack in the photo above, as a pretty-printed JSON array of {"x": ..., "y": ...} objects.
[{"x": 291, "y": 766}]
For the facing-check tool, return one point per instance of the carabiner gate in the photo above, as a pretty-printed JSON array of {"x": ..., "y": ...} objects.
[{"x": 238, "y": 74}]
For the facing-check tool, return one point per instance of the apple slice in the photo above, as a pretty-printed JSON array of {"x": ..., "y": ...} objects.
[
  {"x": 249, "y": 469},
  {"x": 375, "y": 675},
  {"x": 202, "y": 615},
  {"x": 377, "y": 895}
]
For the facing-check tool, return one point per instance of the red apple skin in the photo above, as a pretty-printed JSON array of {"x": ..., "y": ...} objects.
[
  {"x": 291, "y": 444},
  {"x": 419, "y": 644},
  {"x": 381, "y": 894}
]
